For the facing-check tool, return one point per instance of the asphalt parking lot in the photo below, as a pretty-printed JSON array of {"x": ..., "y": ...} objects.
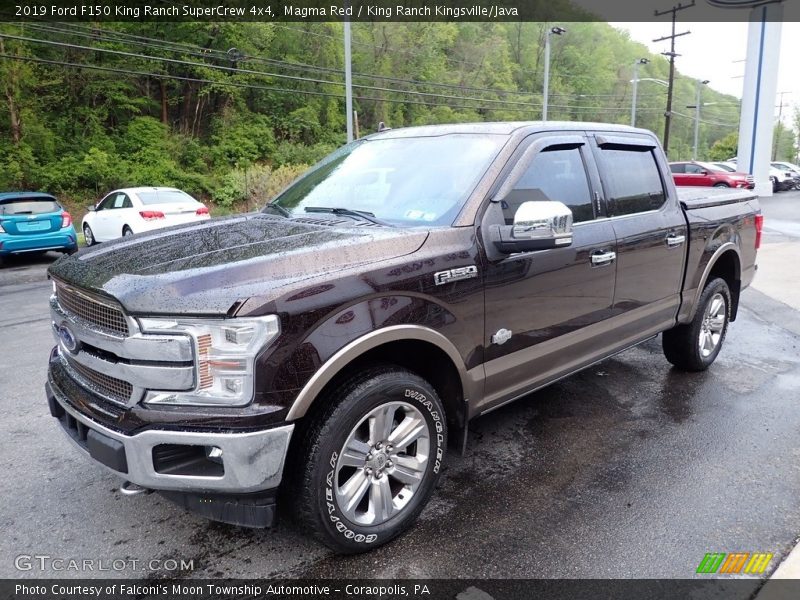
[{"x": 628, "y": 469}]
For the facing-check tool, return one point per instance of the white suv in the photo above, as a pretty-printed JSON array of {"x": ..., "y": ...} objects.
[{"x": 134, "y": 210}]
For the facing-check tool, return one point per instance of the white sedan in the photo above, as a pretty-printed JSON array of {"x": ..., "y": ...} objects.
[{"x": 134, "y": 210}]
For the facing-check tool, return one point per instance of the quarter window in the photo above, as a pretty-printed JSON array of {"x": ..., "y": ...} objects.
[
  {"x": 632, "y": 180},
  {"x": 554, "y": 174}
]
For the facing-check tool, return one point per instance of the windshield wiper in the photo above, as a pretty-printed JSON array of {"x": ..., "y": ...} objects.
[
  {"x": 349, "y": 212},
  {"x": 278, "y": 209}
]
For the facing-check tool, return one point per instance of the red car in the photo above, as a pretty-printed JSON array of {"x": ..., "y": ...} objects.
[{"x": 694, "y": 173}]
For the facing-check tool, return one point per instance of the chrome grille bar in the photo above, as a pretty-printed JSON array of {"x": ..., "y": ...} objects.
[{"x": 97, "y": 311}]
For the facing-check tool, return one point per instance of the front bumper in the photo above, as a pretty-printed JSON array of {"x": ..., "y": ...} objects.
[
  {"x": 175, "y": 460},
  {"x": 64, "y": 239}
]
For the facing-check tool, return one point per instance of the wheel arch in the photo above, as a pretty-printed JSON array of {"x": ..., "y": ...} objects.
[
  {"x": 419, "y": 349},
  {"x": 726, "y": 263}
]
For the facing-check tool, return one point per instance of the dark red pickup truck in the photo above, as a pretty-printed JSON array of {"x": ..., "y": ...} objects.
[{"x": 316, "y": 357}]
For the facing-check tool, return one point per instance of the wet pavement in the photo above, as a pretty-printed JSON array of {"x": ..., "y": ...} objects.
[{"x": 628, "y": 469}]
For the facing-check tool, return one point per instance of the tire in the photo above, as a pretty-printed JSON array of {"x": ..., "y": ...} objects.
[
  {"x": 721, "y": 185},
  {"x": 388, "y": 492},
  {"x": 127, "y": 231},
  {"x": 88, "y": 236},
  {"x": 695, "y": 345}
]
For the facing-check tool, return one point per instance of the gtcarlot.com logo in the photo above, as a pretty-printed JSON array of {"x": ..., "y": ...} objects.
[
  {"x": 45, "y": 562},
  {"x": 735, "y": 563}
]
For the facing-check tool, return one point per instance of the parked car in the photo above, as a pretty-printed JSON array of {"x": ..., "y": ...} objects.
[
  {"x": 323, "y": 352},
  {"x": 34, "y": 222},
  {"x": 789, "y": 169},
  {"x": 780, "y": 179},
  {"x": 135, "y": 210},
  {"x": 695, "y": 173}
]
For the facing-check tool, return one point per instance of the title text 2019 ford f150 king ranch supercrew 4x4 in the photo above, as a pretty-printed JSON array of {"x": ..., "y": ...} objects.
[{"x": 318, "y": 355}]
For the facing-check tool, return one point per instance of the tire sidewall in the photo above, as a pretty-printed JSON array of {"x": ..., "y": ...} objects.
[
  {"x": 353, "y": 537},
  {"x": 91, "y": 234},
  {"x": 717, "y": 286}
]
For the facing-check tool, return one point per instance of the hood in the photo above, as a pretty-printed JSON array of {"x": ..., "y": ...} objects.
[{"x": 206, "y": 268}]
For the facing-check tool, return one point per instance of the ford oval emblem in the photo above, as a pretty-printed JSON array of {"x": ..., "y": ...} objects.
[{"x": 68, "y": 338}]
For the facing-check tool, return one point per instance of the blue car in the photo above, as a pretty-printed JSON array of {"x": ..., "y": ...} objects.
[{"x": 34, "y": 222}]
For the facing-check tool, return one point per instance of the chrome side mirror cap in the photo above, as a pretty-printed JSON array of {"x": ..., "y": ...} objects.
[{"x": 546, "y": 221}]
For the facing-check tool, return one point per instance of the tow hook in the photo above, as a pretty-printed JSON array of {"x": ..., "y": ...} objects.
[{"x": 132, "y": 489}]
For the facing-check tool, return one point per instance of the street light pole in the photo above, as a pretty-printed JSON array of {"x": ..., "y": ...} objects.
[
  {"x": 641, "y": 61},
  {"x": 546, "y": 90},
  {"x": 697, "y": 106},
  {"x": 348, "y": 80}
]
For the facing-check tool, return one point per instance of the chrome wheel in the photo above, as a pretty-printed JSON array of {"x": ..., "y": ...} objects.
[
  {"x": 87, "y": 235},
  {"x": 713, "y": 325},
  {"x": 382, "y": 463}
]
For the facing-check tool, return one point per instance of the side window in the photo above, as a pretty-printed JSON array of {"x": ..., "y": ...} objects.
[
  {"x": 106, "y": 202},
  {"x": 694, "y": 169},
  {"x": 127, "y": 203},
  {"x": 678, "y": 168},
  {"x": 632, "y": 180},
  {"x": 554, "y": 174},
  {"x": 119, "y": 201}
]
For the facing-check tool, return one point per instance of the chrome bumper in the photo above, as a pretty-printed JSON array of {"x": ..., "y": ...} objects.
[{"x": 252, "y": 461}]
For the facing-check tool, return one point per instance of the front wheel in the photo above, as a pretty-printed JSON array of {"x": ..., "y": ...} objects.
[
  {"x": 368, "y": 461},
  {"x": 127, "y": 231},
  {"x": 721, "y": 185},
  {"x": 695, "y": 345}
]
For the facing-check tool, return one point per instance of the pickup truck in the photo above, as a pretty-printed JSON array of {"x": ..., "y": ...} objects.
[{"x": 320, "y": 357}]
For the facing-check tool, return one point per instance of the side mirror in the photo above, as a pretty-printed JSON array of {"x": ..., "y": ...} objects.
[
  {"x": 91, "y": 208},
  {"x": 538, "y": 225}
]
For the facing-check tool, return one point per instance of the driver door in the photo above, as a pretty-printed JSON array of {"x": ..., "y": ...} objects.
[{"x": 554, "y": 302}]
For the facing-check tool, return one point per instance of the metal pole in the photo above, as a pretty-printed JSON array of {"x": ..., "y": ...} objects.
[
  {"x": 348, "y": 80},
  {"x": 670, "y": 90},
  {"x": 697, "y": 121},
  {"x": 635, "y": 92},
  {"x": 546, "y": 75}
]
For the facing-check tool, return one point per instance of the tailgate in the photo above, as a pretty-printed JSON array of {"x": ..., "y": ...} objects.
[{"x": 30, "y": 216}]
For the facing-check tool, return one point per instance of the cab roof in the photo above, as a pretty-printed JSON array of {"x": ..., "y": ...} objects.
[{"x": 506, "y": 128}]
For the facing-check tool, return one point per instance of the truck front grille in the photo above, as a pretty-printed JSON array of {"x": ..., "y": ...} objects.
[
  {"x": 98, "y": 312},
  {"x": 111, "y": 388}
]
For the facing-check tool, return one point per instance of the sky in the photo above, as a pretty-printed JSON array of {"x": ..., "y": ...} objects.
[{"x": 716, "y": 51}]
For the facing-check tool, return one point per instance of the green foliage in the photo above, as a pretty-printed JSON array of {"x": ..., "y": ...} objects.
[
  {"x": 726, "y": 148},
  {"x": 236, "y": 137}
]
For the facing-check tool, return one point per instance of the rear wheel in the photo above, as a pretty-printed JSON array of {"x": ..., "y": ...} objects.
[
  {"x": 367, "y": 462},
  {"x": 88, "y": 236},
  {"x": 694, "y": 346},
  {"x": 126, "y": 231}
]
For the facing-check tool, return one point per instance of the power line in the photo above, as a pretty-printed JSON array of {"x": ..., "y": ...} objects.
[
  {"x": 262, "y": 73},
  {"x": 111, "y": 36}
]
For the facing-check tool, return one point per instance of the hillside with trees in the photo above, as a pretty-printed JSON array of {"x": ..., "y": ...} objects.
[{"x": 233, "y": 111}]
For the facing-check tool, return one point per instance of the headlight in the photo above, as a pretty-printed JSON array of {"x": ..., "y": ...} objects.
[{"x": 225, "y": 352}]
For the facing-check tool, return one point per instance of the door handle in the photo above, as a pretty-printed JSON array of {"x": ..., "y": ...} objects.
[
  {"x": 603, "y": 258},
  {"x": 675, "y": 240}
]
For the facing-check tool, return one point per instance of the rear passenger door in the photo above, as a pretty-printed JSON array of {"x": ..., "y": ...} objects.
[{"x": 650, "y": 230}]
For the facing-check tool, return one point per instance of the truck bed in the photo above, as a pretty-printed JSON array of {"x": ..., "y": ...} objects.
[{"x": 693, "y": 198}]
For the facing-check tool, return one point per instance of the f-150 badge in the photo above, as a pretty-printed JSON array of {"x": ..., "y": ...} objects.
[{"x": 458, "y": 274}]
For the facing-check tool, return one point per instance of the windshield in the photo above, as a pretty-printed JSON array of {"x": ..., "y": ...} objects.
[
  {"x": 164, "y": 197},
  {"x": 402, "y": 181},
  {"x": 724, "y": 168},
  {"x": 29, "y": 206}
]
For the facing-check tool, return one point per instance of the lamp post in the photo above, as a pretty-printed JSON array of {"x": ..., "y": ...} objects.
[
  {"x": 546, "y": 92},
  {"x": 641, "y": 61},
  {"x": 698, "y": 104}
]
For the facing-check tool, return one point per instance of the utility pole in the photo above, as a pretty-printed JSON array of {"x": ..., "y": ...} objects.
[
  {"x": 779, "y": 129},
  {"x": 671, "y": 54},
  {"x": 348, "y": 78}
]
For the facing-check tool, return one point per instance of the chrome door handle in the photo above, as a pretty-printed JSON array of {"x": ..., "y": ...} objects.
[
  {"x": 603, "y": 258},
  {"x": 675, "y": 240}
]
